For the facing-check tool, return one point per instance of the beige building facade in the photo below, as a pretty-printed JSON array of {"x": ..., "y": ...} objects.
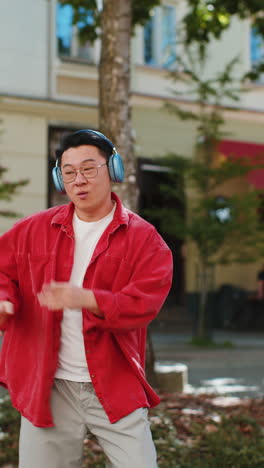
[{"x": 49, "y": 83}]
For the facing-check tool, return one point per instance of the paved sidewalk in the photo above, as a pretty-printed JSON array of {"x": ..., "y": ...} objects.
[{"x": 237, "y": 371}]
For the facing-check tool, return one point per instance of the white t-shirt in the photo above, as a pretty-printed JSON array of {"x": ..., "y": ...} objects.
[{"x": 72, "y": 362}]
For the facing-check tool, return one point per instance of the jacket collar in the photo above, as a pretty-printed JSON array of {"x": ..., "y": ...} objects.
[{"x": 64, "y": 216}]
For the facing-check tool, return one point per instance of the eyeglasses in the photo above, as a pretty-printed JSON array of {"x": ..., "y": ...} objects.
[{"x": 90, "y": 171}]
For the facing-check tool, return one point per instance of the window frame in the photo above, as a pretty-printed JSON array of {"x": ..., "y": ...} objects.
[{"x": 158, "y": 38}]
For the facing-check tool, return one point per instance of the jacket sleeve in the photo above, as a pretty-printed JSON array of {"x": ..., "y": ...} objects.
[
  {"x": 8, "y": 273},
  {"x": 142, "y": 297}
]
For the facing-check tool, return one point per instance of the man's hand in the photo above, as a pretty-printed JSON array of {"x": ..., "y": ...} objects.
[
  {"x": 6, "y": 310},
  {"x": 64, "y": 295}
]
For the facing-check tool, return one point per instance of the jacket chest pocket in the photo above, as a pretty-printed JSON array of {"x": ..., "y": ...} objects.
[
  {"x": 108, "y": 272},
  {"x": 35, "y": 270}
]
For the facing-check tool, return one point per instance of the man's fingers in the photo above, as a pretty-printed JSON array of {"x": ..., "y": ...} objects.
[
  {"x": 6, "y": 307},
  {"x": 9, "y": 308},
  {"x": 53, "y": 286},
  {"x": 47, "y": 298},
  {"x": 43, "y": 297},
  {"x": 58, "y": 285}
]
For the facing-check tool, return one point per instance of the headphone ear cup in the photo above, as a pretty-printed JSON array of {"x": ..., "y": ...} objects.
[
  {"x": 116, "y": 168},
  {"x": 57, "y": 179}
]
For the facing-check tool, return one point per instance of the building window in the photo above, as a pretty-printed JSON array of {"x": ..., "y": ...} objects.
[
  {"x": 160, "y": 37},
  {"x": 68, "y": 41},
  {"x": 256, "y": 50},
  {"x": 149, "y": 56},
  {"x": 168, "y": 36}
]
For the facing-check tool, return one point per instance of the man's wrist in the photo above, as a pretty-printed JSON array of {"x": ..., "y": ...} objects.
[{"x": 91, "y": 303}]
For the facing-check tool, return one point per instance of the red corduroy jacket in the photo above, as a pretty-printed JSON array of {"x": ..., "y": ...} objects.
[{"x": 130, "y": 274}]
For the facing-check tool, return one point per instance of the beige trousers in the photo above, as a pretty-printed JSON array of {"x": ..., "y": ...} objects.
[{"x": 76, "y": 409}]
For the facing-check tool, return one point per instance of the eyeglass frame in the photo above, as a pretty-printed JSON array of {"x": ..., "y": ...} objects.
[{"x": 96, "y": 166}]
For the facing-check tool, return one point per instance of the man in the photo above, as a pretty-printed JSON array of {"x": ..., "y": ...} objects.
[{"x": 79, "y": 284}]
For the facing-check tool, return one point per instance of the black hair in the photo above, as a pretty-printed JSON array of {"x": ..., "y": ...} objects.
[{"x": 85, "y": 137}]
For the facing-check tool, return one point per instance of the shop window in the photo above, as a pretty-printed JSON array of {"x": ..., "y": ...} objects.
[{"x": 261, "y": 209}]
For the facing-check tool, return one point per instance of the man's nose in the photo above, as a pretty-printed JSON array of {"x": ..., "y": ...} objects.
[{"x": 79, "y": 179}]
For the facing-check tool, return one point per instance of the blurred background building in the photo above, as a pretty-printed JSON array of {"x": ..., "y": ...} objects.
[{"x": 49, "y": 84}]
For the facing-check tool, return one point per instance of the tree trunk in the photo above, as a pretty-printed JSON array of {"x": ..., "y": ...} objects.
[
  {"x": 150, "y": 361},
  {"x": 115, "y": 106},
  {"x": 201, "y": 328},
  {"x": 114, "y": 89},
  {"x": 203, "y": 323}
]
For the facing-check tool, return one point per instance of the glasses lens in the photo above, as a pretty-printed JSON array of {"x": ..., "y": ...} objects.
[
  {"x": 89, "y": 172},
  {"x": 69, "y": 174}
]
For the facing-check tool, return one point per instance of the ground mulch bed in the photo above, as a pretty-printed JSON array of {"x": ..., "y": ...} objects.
[
  {"x": 185, "y": 410},
  {"x": 172, "y": 423}
]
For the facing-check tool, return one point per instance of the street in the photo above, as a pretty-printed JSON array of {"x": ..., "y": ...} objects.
[{"x": 236, "y": 371}]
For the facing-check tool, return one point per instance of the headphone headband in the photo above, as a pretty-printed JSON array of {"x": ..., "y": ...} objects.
[{"x": 95, "y": 132}]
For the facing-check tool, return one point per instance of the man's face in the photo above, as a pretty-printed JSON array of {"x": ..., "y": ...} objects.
[{"x": 91, "y": 197}]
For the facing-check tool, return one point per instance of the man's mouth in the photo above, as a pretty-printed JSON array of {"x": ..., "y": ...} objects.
[{"x": 82, "y": 194}]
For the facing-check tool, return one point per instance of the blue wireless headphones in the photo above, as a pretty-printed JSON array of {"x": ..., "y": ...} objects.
[{"x": 115, "y": 163}]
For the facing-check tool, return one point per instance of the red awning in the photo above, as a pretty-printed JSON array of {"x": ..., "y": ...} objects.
[{"x": 241, "y": 149}]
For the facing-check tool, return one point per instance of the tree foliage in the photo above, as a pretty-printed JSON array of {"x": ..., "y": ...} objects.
[
  {"x": 7, "y": 190},
  {"x": 209, "y": 18},
  {"x": 223, "y": 224},
  {"x": 207, "y": 172}
]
